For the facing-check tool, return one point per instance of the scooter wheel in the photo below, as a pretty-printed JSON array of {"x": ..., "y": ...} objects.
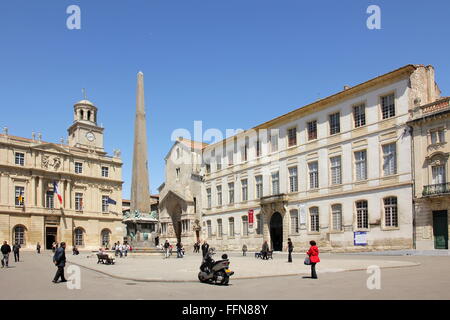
[{"x": 201, "y": 278}]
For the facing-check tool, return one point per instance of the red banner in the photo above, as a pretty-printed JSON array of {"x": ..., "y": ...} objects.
[{"x": 250, "y": 216}]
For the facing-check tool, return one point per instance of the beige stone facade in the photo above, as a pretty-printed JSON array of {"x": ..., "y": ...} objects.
[
  {"x": 85, "y": 176},
  {"x": 430, "y": 126},
  {"x": 337, "y": 171}
]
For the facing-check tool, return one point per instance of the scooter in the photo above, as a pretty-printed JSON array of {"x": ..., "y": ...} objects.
[{"x": 215, "y": 271}]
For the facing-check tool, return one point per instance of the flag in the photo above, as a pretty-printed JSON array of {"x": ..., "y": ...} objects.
[
  {"x": 111, "y": 201},
  {"x": 20, "y": 198},
  {"x": 55, "y": 190}
]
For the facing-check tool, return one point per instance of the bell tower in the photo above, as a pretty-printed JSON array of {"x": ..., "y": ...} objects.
[{"x": 84, "y": 133}]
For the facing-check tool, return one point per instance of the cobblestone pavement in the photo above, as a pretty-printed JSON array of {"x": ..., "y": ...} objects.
[{"x": 31, "y": 279}]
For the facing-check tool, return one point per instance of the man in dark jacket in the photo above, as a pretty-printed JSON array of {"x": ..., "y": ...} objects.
[
  {"x": 16, "y": 248},
  {"x": 59, "y": 259},
  {"x": 205, "y": 248},
  {"x": 290, "y": 249},
  {"x": 5, "y": 249},
  {"x": 265, "y": 250}
]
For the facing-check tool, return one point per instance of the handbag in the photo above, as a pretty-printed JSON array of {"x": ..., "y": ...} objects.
[{"x": 307, "y": 261}]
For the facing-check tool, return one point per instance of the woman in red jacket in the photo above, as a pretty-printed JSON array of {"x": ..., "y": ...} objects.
[{"x": 313, "y": 254}]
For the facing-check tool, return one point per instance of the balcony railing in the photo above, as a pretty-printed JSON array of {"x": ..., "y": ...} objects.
[{"x": 436, "y": 189}]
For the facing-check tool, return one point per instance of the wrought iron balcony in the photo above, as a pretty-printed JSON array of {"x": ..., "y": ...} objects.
[{"x": 436, "y": 189}]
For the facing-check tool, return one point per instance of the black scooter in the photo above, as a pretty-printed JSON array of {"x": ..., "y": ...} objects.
[{"x": 215, "y": 271}]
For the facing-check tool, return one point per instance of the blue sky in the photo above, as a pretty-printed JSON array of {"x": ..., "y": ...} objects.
[{"x": 230, "y": 63}]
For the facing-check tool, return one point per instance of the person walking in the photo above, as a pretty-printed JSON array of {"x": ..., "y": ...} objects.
[
  {"x": 244, "y": 250},
  {"x": 290, "y": 249},
  {"x": 59, "y": 259},
  {"x": 205, "y": 248},
  {"x": 313, "y": 254},
  {"x": 117, "y": 252},
  {"x": 38, "y": 247},
  {"x": 166, "y": 249},
  {"x": 16, "y": 248},
  {"x": 265, "y": 250},
  {"x": 5, "y": 249},
  {"x": 126, "y": 248},
  {"x": 179, "y": 249}
]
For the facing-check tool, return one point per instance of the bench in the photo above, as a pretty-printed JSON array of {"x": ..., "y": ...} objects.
[
  {"x": 104, "y": 259},
  {"x": 260, "y": 255}
]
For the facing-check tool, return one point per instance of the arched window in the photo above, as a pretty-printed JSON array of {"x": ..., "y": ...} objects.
[
  {"x": 81, "y": 115},
  {"x": 89, "y": 115},
  {"x": 245, "y": 226},
  {"x": 362, "y": 215},
  {"x": 106, "y": 235},
  {"x": 231, "y": 227},
  {"x": 19, "y": 235},
  {"x": 79, "y": 237}
]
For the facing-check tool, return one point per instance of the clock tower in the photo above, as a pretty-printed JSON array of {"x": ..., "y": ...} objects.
[{"x": 84, "y": 133}]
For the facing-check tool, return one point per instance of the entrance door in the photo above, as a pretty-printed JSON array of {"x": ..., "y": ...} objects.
[
  {"x": 276, "y": 231},
  {"x": 50, "y": 236},
  {"x": 440, "y": 229}
]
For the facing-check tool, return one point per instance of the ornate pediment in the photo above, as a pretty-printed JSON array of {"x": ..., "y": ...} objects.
[{"x": 51, "y": 148}]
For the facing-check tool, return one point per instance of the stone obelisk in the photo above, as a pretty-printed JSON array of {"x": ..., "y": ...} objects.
[{"x": 140, "y": 195}]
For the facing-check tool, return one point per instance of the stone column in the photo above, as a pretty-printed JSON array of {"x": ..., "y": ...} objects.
[
  {"x": 39, "y": 193},
  {"x": 33, "y": 191}
]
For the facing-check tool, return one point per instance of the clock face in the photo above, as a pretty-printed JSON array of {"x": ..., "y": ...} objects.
[{"x": 90, "y": 136}]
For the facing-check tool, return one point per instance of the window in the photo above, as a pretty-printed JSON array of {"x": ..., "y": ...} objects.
[
  {"x": 437, "y": 136},
  {"x": 292, "y": 137},
  {"x": 208, "y": 168},
  {"x": 219, "y": 195},
  {"x": 361, "y": 165},
  {"x": 312, "y": 130},
  {"x": 313, "y": 175},
  {"x": 231, "y": 226},
  {"x": 78, "y": 237},
  {"x": 293, "y": 179},
  {"x": 258, "y": 148},
  {"x": 294, "y": 221},
  {"x": 219, "y": 163},
  {"x": 336, "y": 176},
  {"x": 195, "y": 205},
  {"x": 105, "y": 172},
  {"x": 49, "y": 200},
  {"x": 362, "y": 215},
  {"x": 78, "y": 201},
  {"x": 314, "y": 215},
  {"x": 275, "y": 183},
  {"x": 209, "y": 228},
  {"x": 177, "y": 172},
  {"x": 231, "y": 193},
  {"x": 336, "y": 212},
  {"x": 274, "y": 143},
  {"x": 259, "y": 187},
  {"x": 219, "y": 228},
  {"x": 105, "y": 235},
  {"x": 105, "y": 204},
  {"x": 335, "y": 126},
  {"x": 438, "y": 174},
  {"x": 19, "y": 235},
  {"x": 20, "y": 200},
  {"x": 389, "y": 159},
  {"x": 208, "y": 196},
  {"x": 245, "y": 226},
  {"x": 78, "y": 167},
  {"x": 244, "y": 185},
  {"x": 359, "y": 115},
  {"x": 390, "y": 212},
  {"x": 259, "y": 227},
  {"x": 388, "y": 106},
  {"x": 230, "y": 158},
  {"x": 20, "y": 158}
]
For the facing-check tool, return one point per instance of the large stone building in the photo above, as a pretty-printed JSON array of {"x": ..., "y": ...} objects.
[
  {"x": 430, "y": 127},
  {"x": 88, "y": 181},
  {"x": 338, "y": 171}
]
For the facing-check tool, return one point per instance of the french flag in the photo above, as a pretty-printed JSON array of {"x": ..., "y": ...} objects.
[{"x": 55, "y": 190}]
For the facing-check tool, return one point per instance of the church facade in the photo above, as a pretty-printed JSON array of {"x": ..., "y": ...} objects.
[
  {"x": 54, "y": 192},
  {"x": 338, "y": 171}
]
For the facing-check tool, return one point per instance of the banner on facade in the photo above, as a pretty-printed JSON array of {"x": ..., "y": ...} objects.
[
  {"x": 302, "y": 211},
  {"x": 360, "y": 238},
  {"x": 250, "y": 217}
]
